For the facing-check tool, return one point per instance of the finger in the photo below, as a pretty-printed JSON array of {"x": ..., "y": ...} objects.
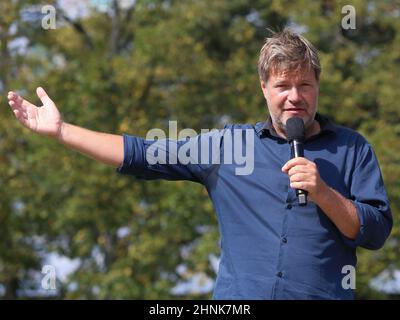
[
  {"x": 12, "y": 96},
  {"x": 14, "y": 105},
  {"x": 18, "y": 114},
  {"x": 21, "y": 115},
  {"x": 298, "y": 169},
  {"x": 16, "y": 101},
  {"x": 299, "y": 177},
  {"x": 293, "y": 162},
  {"x": 299, "y": 185},
  {"x": 43, "y": 96}
]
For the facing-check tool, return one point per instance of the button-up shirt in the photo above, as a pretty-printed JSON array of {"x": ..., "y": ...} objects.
[{"x": 272, "y": 248}]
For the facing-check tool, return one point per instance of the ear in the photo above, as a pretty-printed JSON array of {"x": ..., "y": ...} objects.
[{"x": 263, "y": 87}]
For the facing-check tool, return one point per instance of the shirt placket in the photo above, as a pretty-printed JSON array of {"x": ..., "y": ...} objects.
[{"x": 287, "y": 208}]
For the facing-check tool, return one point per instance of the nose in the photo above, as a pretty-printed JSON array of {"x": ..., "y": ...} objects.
[{"x": 294, "y": 95}]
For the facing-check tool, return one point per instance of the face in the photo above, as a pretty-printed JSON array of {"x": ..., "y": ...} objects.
[{"x": 291, "y": 94}]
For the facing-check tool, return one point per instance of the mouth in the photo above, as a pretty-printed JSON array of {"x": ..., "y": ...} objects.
[{"x": 294, "y": 110}]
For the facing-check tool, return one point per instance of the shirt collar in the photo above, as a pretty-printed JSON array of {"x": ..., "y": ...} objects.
[{"x": 266, "y": 128}]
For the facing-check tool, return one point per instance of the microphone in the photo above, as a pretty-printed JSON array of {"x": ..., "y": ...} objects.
[{"x": 295, "y": 133}]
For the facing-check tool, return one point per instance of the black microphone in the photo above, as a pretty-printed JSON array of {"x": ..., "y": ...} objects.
[{"x": 295, "y": 134}]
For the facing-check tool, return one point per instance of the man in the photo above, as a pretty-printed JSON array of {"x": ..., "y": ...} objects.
[{"x": 271, "y": 248}]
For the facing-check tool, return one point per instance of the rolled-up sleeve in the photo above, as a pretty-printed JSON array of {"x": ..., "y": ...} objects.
[
  {"x": 134, "y": 156},
  {"x": 369, "y": 196},
  {"x": 168, "y": 159}
]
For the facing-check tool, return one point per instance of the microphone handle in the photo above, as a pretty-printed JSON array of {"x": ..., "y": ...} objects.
[{"x": 298, "y": 151}]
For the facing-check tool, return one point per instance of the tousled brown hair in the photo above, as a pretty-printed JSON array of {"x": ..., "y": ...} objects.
[{"x": 287, "y": 51}]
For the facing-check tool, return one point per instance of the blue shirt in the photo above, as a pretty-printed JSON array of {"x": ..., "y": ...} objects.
[{"x": 272, "y": 248}]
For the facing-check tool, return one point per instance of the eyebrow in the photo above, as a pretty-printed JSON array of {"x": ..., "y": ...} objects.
[{"x": 279, "y": 82}]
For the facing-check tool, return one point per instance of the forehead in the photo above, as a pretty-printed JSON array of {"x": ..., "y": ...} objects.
[{"x": 298, "y": 74}]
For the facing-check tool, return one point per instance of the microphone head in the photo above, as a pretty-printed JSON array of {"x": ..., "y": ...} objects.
[{"x": 295, "y": 129}]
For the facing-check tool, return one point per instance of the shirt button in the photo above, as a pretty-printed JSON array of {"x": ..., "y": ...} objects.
[
  {"x": 280, "y": 274},
  {"x": 284, "y": 240},
  {"x": 289, "y": 206}
]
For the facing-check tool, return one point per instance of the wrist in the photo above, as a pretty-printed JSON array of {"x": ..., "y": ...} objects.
[
  {"x": 61, "y": 132},
  {"x": 323, "y": 194}
]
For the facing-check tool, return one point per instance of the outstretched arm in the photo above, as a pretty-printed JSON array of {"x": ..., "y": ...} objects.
[{"x": 47, "y": 120}]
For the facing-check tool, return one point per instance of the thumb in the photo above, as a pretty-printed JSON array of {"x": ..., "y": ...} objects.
[{"x": 43, "y": 96}]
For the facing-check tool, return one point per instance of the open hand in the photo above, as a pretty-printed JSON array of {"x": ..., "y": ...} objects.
[{"x": 45, "y": 119}]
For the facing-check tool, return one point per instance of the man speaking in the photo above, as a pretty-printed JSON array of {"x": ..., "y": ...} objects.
[{"x": 274, "y": 245}]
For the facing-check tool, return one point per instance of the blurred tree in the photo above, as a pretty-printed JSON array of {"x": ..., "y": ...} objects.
[{"x": 19, "y": 228}]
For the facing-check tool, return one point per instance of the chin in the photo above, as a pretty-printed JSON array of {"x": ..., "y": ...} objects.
[{"x": 305, "y": 119}]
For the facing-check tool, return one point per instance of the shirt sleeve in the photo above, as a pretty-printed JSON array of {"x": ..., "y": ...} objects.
[
  {"x": 188, "y": 159},
  {"x": 369, "y": 196}
]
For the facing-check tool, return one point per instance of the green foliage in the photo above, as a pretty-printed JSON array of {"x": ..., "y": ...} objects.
[{"x": 133, "y": 69}]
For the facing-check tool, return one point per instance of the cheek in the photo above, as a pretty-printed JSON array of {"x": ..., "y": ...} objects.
[
  {"x": 277, "y": 96},
  {"x": 311, "y": 97},
  {"x": 276, "y": 100},
  {"x": 281, "y": 98}
]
